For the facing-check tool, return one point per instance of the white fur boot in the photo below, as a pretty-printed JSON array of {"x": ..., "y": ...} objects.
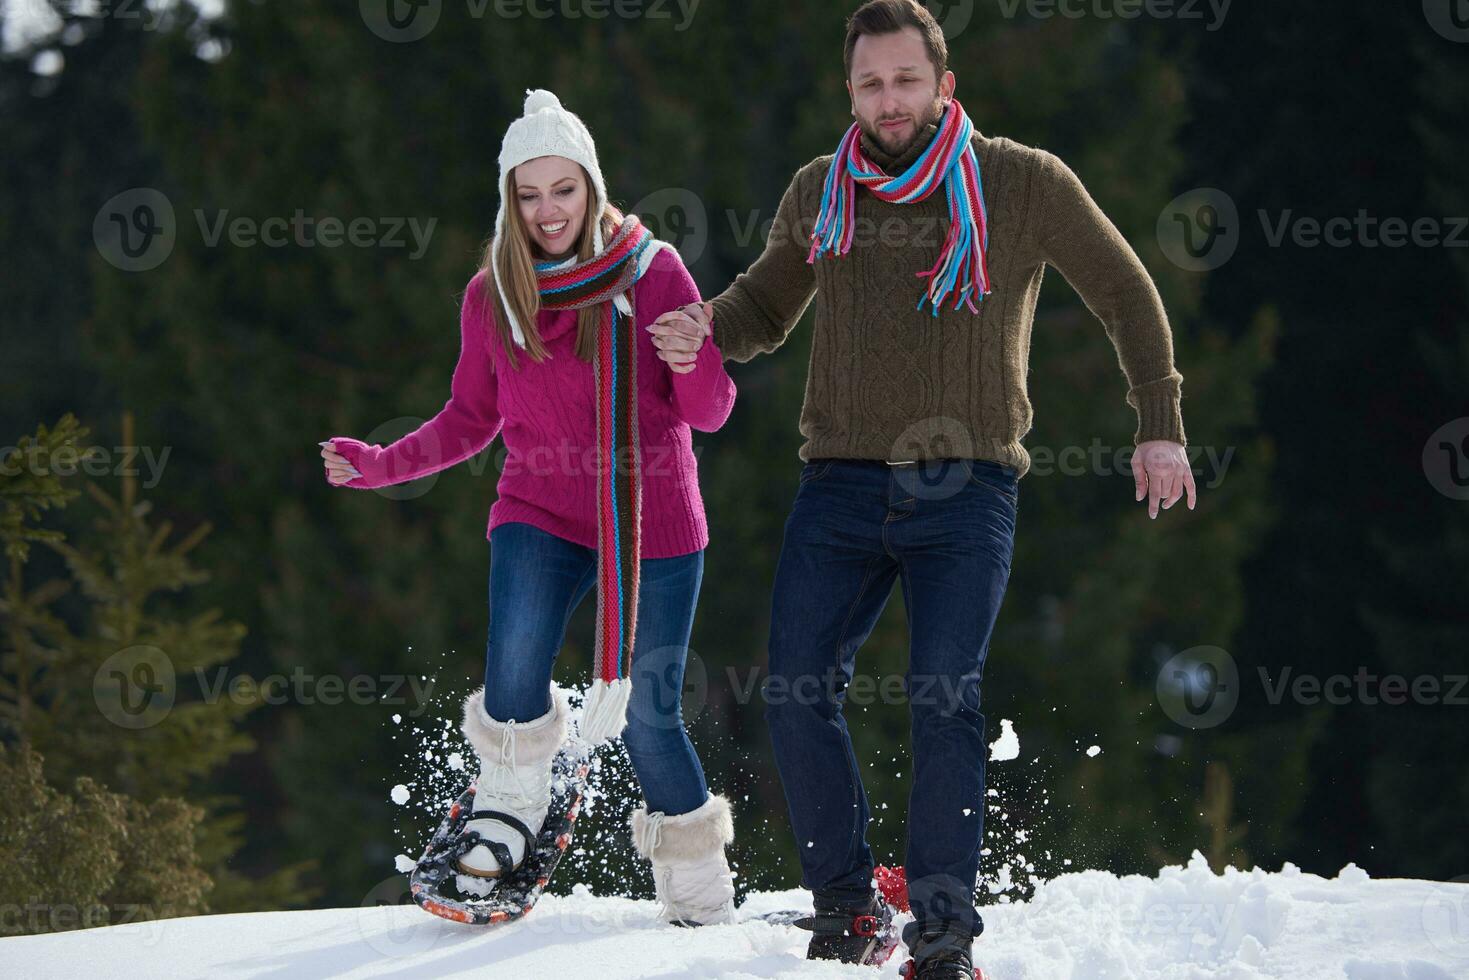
[
  {"x": 514, "y": 781},
  {"x": 693, "y": 880}
]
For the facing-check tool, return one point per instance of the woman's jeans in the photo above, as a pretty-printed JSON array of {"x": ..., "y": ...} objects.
[
  {"x": 536, "y": 580},
  {"x": 946, "y": 529}
]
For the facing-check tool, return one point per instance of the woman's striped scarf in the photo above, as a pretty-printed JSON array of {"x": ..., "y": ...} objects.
[
  {"x": 607, "y": 279},
  {"x": 961, "y": 270}
]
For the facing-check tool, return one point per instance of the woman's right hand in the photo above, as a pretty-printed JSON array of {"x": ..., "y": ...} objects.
[{"x": 338, "y": 469}]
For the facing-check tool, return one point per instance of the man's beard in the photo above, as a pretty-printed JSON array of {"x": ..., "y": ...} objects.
[{"x": 874, "y": 134}]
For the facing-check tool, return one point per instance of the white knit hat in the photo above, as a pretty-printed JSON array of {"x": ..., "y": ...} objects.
[{"x": 546, "y": 130}]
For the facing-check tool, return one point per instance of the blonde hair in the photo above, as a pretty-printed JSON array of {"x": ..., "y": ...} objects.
[{"x": 517, "y": 276}]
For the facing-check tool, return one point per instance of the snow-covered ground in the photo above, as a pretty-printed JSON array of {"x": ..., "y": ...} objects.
[{"x": 1186, "y": 923}]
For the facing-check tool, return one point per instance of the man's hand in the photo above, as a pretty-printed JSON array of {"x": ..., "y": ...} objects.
[
  {"x": 679, "y": 333},
  {"x": 1161, "y": 471}
]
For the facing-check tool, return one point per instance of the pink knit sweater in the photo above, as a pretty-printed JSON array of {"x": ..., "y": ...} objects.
[{"x": 546, "y": 411}]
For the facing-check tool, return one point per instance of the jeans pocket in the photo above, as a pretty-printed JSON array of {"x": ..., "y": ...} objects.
[
  {"x": 995, "y": 478},
  {"x": 814, "y": 470}
]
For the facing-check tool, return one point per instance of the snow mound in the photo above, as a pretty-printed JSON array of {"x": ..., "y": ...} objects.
[{"x": 1187, "y": 923}]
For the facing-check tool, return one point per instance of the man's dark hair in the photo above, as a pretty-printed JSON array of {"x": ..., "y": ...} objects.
[{"x": 890, "y": 17}]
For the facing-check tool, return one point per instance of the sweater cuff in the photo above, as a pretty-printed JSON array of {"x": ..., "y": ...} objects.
[
  {"x": 705, "y": 395},
  {"x": 1159, "y": 413},
  {"x": 706, "y": 362}
]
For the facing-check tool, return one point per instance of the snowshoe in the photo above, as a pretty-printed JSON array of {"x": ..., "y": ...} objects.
[{"x": 441, "y": 888}]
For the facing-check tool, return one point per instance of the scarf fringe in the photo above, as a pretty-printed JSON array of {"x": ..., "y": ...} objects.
[{"x": 604, "y": 711}]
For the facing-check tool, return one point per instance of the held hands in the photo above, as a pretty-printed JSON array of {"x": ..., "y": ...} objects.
[
  {"x": 679, "y": 335},
  {"x": 1161, "y": 471}
]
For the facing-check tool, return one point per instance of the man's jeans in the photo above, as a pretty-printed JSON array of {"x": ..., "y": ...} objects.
[
  {"x": 536, "y": 580},
  {"x": 946, "y": 528}
]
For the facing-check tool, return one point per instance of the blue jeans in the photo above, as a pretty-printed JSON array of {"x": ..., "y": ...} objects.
[
  {"x": 946, "y": 528},
  {"x": 536, "y": 581}
]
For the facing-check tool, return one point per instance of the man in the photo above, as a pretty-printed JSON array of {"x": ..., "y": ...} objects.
[{"x": 925, "y": 260}]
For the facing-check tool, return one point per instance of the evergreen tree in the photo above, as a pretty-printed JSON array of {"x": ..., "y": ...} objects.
[
  {"x": 90, "y": 857},
  {"x": 95, "y": 663}
]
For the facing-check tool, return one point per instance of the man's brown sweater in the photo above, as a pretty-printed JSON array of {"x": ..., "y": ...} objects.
[{"x": 889, "y": 381}]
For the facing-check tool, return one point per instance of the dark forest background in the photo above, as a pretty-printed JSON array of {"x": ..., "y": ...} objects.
[{"x": 1324, "y": 398}]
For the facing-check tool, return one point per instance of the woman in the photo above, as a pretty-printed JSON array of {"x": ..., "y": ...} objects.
[{"x": 600, "y": 485}]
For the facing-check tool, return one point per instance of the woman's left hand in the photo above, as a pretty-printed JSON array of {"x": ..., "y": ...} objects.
[{"x": 679, "y": 335}]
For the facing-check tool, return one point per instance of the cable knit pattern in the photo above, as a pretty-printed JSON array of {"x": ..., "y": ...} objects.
[
  {"x": 888, "y": 381},
  {"x": 546, "y": 414}
]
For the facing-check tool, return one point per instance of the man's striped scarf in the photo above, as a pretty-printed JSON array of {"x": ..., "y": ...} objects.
[
  {"x": 949, "y": 161},
  {"x": 605, "y": 279}
]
